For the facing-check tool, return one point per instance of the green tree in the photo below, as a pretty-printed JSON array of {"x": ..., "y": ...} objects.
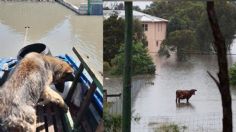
[
  {"x": 112, "y": 122},
  {"x": 142, "y": 62},
  {"x": 137, "y": 8},
  {"x": 232, "y": 73},
  {"x": 183, "y": 40},
  {"x": 189, "y": 15},
  {"x": 227, "y": 20},
  {"x": 139, "y": 35},
  {"x": 113, "y": 33},
  {"x": 120, "y": 6}
]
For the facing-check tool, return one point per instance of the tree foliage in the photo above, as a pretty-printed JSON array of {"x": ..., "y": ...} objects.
[
  {"x": 183, "y": 40},
  {"x": 141, "y": 61},
  {"x": 113, "y": 32},
  {"x": 192, "y": 16},
  {"x": 112, "y": 122},
  {"x": 232, "y": 73}
]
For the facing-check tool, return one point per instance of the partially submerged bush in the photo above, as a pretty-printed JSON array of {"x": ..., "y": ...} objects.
[
  {"x": 141, "y": 61},
  {"x": 112, "y": 122},
  {"x": 164, "y": 50},
  {"x": 170, "y": 128}
]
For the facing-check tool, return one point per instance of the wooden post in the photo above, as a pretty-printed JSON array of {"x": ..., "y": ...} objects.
[
  {"x": 126, "y": 112},
  {"x": 223, "y": 83},
  {"x": 92, "y": 88},
  {"x": 87, "y": 99},
  {"x": 89, "y": 6},
  {"x": 26, "y": 34},
  {"x": 105, "y": 95},
  {"x": 74, "y": 84},
  {"x": 93, "y": 73}
]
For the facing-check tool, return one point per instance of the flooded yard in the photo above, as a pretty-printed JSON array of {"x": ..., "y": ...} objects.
[
  {"x": 161, "y": 106},
  {"x": 155, "y": 103},
  {"x": 50, "y": 23}
]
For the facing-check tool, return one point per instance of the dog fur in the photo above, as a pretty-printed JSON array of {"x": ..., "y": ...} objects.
[{"x": 28, "y": 83}]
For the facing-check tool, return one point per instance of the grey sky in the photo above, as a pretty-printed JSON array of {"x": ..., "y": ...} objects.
[{"x": 142, "y": 4}]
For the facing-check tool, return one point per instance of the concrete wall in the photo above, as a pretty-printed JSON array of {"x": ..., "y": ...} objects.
[{"x": 155, "y": 35}]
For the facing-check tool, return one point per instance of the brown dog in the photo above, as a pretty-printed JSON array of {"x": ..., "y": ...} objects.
[
  {"x": 29, "y": 81},
  {"x": 184, "y": 94}
]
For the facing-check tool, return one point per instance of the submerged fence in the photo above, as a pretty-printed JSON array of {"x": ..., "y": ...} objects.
[
  {"x": 194, "y": 122},
  {"x": 116, "y": 107},
  {"x": 211, "y": 122},
  {"x": 137, "y": 84}
]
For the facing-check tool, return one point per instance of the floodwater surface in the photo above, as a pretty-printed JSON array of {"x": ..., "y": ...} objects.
[
  {"x": 52, "y": 24},
  {"x": 153, "y": 101},
  {"x": 155, "y": 104}
]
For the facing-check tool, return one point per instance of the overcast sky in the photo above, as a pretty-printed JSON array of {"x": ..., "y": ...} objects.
[{"x": 141, "y": 4}]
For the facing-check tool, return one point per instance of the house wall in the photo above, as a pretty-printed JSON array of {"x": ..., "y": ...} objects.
[{"x": 156, "y": 34}]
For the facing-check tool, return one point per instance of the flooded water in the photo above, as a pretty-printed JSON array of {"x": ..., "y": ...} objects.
[
  {"x": 77, "y": 2},
  {"x": 50, "y": 23},
  {"x": 161, "y": 96},
  {"x": 155, "y": 104}
]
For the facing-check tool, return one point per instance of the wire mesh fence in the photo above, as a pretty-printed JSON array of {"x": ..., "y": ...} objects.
[
  {"x": 116, "y": 107},
  {"x": 211, "y": 122},
  {"x": 137, "y": 83}
]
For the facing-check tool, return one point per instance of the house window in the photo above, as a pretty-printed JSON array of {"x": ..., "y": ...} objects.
[
  {"x": 157, "y": 43},
  {"x": 145, "y": 27}
]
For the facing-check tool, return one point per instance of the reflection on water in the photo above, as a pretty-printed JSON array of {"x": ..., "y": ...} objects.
[
  {"x": 184, "y": 106},
  {"x": 49, "y": 23}
]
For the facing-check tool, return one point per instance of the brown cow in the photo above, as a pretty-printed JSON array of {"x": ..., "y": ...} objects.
[{"x": 184, "y": 94}]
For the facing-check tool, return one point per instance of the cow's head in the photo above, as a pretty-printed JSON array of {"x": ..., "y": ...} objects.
[{"x": 193, "y": 91}]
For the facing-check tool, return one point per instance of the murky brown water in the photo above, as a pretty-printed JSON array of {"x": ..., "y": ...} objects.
[
  {"x": 155, "y": 104},
  {"x": 52, "y": 24},
  {"x": 77, "y": 2}
]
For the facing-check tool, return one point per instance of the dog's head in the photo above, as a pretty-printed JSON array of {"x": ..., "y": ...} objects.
[{"x": 61, "y": 70}]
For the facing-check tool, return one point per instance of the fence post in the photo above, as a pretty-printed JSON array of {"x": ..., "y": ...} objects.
[
  {"x": 89, "y": 6},
  {"x": 126, "y": 113},
  {"x": 105, "y": 95}
]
